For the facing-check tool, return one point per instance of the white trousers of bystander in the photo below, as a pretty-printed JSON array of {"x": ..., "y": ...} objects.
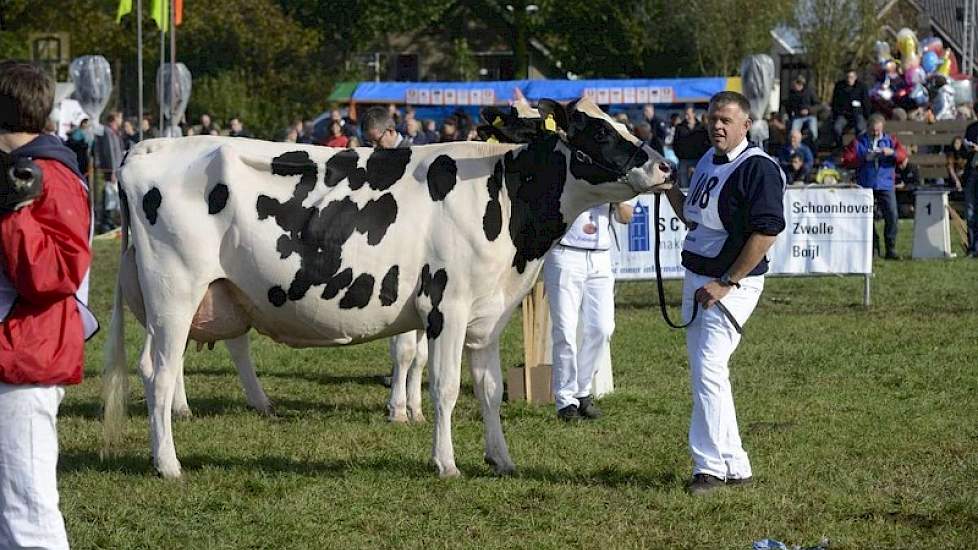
[
  {"x": 579, "y": 283},
  {"x": 29, "y": 515},
  {"x": 714, "y": 439}
]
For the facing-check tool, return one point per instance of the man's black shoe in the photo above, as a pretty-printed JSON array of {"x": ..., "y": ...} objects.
[
  {"x": 704, "y": 484},
  {"x": 569, "y": 414},
  {"x": 587, "y": 409},
  {"x": 740, "y": 481},
  {"x": 891, "y": 256}
]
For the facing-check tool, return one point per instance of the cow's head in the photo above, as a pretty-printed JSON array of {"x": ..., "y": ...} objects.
[{"x": 607, "y": 163}]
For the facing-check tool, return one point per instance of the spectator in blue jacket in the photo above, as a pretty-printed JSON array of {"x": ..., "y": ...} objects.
[
  {"x": 874, "y": 154},
  {"x": 796, "y": 147}
]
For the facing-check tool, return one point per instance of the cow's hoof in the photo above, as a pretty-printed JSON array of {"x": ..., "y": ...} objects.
[
  {"x": 501, "y": 467},
  {"x": 449, "y": 473},
  {"x": 399, "y": 417},
  {"x": 267, "y": 408},
  {"x": 183, "y": 412},
  {"x": 170, "y": 473},
  {"x": 418, "y": 417}
]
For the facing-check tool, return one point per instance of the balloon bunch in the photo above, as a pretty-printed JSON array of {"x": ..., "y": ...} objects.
[{"x": 925, "y": 73}]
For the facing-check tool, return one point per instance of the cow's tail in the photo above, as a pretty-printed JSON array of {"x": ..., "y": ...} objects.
[{"x": 115, "y": 378}]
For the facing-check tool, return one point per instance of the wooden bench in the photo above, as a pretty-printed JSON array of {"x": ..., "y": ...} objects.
[{"x": 928, "y": 138}]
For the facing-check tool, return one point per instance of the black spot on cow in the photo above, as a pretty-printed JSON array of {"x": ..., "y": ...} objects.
[
  {"x": 386, "y": 166},
  {"x": 376, "y": 216},
  {"x": 217, "y": 198},
  {"x": 535, "y": 178},
  {"x": 388, "y": 287},
  {"x": 151, "y": 204},
  {"x": 343, "y": 165},
  {"x": 492, "y": 221},
  {"x": 317, "y": 235},
  {"x": 338, "y": 283},
  {"x": 276, "y": 296},
  {"x": 442, "y": 176},
  {"x": 434, "y": 287},
  {"x": 358, "y": 295}
]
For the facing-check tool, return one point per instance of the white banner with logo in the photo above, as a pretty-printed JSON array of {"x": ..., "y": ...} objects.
[{"x": 828, "y": 231}]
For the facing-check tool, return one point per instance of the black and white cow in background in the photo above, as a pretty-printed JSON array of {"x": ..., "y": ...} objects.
[{"x": 319, "y": 247}]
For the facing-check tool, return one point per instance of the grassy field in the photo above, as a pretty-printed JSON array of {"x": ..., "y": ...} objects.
[{"x": 862, "y": 426}]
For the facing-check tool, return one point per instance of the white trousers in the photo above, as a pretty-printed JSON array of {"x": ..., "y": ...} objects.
[
  {"x": 29, "y": 515},
  {"x": 579, "y": 283},
  {"x": 714, "y": 440}
]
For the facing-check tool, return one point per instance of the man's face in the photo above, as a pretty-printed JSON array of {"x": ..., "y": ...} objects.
[
  {"x": 799, "y": 86},
  {"x": 382, "y": 139},
  {"x": 796, "y": 163},
  {"x": 235, "y": 125},
  {"x": 851, "y": 77},
  {"x": 412, "y": 126},
  {"x": 335, "y": 114},
  {"x": 648, "y": 111},
  {"x": 728, "y": 126},
  {"x": 205, "y": 120},
  {"x": 690, "y": 116},
  {"x": 795, "y": 139},
  {"x": 877, "y": 129}
]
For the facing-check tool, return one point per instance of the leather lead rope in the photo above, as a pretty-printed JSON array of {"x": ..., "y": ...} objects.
[{"x": 662, "y": 292}]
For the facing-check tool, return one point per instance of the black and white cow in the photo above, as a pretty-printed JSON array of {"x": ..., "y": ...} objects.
[{"x": 320, "y": 247}]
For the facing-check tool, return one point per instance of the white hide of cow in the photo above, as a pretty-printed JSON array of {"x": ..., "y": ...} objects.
[{"x": 315, "y": 246}]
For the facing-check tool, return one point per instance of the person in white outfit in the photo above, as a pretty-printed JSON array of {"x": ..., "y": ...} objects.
[
  {"x": 578, "y": 281},
  {"x": 734, "y": 212}
]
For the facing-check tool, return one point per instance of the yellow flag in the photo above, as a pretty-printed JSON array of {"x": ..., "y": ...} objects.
[
  {"x": 160, "y": 12},
  {"x": 125, "y": 6}
]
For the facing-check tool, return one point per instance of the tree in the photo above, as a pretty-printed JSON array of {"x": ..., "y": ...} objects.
[
  {"x": 836, "y": 34},
  {"x": 723, "y": 32}
]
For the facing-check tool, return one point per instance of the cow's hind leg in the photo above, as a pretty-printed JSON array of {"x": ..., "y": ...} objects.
[
  {"x": 444, "y": 379},
  {"x": 169, "y": 330},
  {"x": 488, "y": 381},
  {"x": 240, "y": 350},
  {"x": 415, "y": 375},
  {"x": 403, "y": 349}
]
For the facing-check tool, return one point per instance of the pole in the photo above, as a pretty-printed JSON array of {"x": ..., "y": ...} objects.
[
  {"x": 162, "y": 61},
  {"x": 139, "y": 61},
  {"x": 173, "y": 65},
  {"x": 866, "y": 279}
]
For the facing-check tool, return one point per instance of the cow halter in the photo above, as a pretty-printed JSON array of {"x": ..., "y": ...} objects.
[{"x": 620, "y": 175}]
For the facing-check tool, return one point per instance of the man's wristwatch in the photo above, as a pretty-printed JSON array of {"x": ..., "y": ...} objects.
[{"x": 725, "y": 281}]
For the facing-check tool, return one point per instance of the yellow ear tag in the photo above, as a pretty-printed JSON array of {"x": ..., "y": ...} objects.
[
  {"x": 492, "y": 139},
  {"x": 498, "y": 123},
  {"x": 550, "y": 124}
]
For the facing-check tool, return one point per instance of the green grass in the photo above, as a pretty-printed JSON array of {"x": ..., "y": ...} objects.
[{"x": 860, "y": 423}]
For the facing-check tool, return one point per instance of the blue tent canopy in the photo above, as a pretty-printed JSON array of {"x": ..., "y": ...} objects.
[{"x": 603, "y": 92}]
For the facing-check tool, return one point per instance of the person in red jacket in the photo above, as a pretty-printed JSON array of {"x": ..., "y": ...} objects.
[{"x": 45, "y": 231}]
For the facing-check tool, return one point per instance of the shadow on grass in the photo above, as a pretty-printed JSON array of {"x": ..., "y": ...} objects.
[
  {"x": 141, "y": 465},
  {"x": 219, "y": 406},
  {"x": 402, "y": 466},
  {"x": 324, "y": 379}
]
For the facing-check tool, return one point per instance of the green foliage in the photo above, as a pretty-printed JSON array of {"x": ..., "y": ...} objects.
[
  {"x": 837, "y": 35},
  {"x": 465, "y": 61},
  {"x": 726, "y": 31},
  {"x": 860, "y": 424}
]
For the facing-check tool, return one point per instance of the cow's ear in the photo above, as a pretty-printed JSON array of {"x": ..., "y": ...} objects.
[
  {"x": 552, "y": 113},
  {"x": 576, "y": 120}
]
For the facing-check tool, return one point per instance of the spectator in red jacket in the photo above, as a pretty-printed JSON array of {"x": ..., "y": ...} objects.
[{"x": 45, "y": 227}]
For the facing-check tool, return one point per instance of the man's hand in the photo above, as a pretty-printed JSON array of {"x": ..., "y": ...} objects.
[
  {"x": 20, "y": 184},
  {"x": 711, "y": 293},
  {"x": 887, "y": 151}
]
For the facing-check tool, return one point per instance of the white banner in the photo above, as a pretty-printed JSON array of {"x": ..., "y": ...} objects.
[{"x": 827, "y": 231}]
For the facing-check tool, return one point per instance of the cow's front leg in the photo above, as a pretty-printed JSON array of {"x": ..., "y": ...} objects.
[
  {"x": 240, "y": 350},
  {"x": 403, "y": 349},
  {"x": 445, "y": 345},
  {"x": 181, "y": 409},
  {"x": 414, "y": 377},
  {"x": 488, "y": 383}
]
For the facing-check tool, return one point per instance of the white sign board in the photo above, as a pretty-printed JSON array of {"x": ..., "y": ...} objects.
[{"x": 827, "y": 231}]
